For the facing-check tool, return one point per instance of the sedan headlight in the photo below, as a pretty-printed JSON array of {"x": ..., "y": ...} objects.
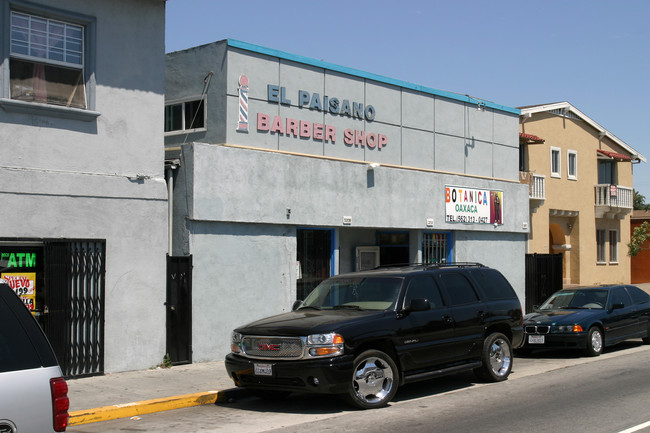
[
  {"x": 567, "y": 328},
  {"x": 235, "y": 342},
  {"x": 325, "y": 344}
]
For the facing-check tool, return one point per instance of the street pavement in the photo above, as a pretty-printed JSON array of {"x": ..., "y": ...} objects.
[{"x": 133, "y": 393}]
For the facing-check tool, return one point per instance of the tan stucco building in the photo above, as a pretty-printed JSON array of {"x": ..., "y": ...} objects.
[{"x": 581, "y": 196}]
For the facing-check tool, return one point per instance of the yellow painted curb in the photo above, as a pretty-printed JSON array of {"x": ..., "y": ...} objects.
[{"x": 128, "y": 410}]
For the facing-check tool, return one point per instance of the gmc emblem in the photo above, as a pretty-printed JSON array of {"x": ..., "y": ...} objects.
[{"x": 274, "y": 347}]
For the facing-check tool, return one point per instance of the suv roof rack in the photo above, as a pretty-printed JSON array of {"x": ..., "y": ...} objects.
[{"x": 433, "y": 265}]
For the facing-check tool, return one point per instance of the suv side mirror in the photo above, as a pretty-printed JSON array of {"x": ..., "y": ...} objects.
[
  {"x": 296, "y": 304},
  {"x": 419, "y": 304}
]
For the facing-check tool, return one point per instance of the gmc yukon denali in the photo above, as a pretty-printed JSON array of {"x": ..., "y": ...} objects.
[{"x": 364, "y": 334}]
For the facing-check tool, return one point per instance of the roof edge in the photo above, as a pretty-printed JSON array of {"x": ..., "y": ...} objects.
[
  {"x": 367, "y": 75},
  {"x": 532, "y": 109}
]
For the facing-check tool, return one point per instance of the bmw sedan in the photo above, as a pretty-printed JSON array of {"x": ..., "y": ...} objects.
[{"x": 589, "y": 319}]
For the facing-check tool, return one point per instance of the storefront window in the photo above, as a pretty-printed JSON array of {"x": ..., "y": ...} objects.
[
  {"x": 22, "y": 268},
  {"x": 314, "y": 259},
  {"x": 393, "y": 248},
  {"x": 435, "y": 248}
]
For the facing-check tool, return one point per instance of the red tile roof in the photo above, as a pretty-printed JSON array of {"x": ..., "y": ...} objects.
[
  {"x": 530, "y": 138},
  {"x": 614, "y": 155}
]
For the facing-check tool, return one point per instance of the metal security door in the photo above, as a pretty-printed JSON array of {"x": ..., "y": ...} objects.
[
  {"x": 74, "y": 280},
  {"x": 543, "y": 278},
  {"x": 179, "y": 309}
]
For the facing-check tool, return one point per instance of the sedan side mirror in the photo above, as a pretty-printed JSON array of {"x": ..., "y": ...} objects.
[
  {"x": 618, "y": 306},
  {"x": 296, "y": 305}
]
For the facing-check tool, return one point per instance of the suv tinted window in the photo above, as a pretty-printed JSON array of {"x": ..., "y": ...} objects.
[
  {"x": 494, "y": 284},
  {"x": 459, "y": 289},
  {"x": 22, "y": 343},
  {"x": 423, "y": 287}
]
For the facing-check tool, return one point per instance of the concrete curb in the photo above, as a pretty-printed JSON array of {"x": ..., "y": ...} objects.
[{"x": 129, "y": 410}]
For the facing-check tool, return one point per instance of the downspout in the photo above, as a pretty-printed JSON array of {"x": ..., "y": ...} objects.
[{"x": 173, "y": 165}]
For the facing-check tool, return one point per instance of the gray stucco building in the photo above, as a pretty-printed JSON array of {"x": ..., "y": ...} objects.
[
  {"x": 83, "y": 237},
  {"x": 286, "y": 170}
]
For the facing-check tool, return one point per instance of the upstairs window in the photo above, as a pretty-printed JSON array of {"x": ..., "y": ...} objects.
[
  {"x": 572, "y": 164},
  {"x": 47, "y": 61},
  {"x": 555, "y": 162},
  {"x": 186, "y": 116},
  {"x": 607, "y": 172}
]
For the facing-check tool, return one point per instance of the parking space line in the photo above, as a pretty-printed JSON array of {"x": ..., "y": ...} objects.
[{"x": 636, "y": 428}]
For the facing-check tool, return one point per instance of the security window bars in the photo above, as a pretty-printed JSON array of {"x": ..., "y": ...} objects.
[
  {"x": 46, "y": 61},
  {"x": 185, "y": 116},
  {"x": 434, "y": 248}
]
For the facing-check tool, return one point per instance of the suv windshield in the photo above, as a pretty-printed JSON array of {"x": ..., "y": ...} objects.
[
  {"x": 371, "y": 293},
  {"x": 573, "y": 299}
]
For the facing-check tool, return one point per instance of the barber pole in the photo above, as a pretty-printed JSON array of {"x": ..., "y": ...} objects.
[{"x": 243, "y": 104}]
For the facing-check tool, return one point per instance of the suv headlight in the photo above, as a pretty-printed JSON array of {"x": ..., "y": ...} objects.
[
  {"x": 325, "y": 344},
  {"x": 235, "y": 342}
]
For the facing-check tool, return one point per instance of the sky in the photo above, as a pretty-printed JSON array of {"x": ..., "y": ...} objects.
[{"x": 594, "y": 54}]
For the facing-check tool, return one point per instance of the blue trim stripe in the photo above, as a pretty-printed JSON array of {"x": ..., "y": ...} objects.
[{"x": 367, "y": 75}]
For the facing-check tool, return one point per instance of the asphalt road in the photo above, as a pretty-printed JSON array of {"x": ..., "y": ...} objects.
[{"x": 608, "y": 394}]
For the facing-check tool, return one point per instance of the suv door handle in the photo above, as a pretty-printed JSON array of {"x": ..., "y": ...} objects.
[{"x": 448, "y": 320}]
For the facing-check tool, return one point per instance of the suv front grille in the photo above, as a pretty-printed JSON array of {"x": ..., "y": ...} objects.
[
  {"x": 273, "y": 347},
  {"x": 537, "y": 329}
]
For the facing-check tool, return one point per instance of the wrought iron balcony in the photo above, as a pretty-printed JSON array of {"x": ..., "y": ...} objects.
[{"x": 613, "y": 201}]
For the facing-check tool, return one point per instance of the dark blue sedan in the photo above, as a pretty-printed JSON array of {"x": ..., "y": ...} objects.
[{"x": 589, "y": 319}]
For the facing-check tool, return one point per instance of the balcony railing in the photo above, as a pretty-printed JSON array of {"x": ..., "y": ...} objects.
[
  {"x": 536, "y": 184},
  {"x": 613, "y": 201}
]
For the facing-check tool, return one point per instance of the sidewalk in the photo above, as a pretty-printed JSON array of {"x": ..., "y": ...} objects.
[{"x": 127, "y": 394}]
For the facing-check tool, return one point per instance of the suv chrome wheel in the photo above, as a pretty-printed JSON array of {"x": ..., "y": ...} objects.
[
  {"x": 374, "y": 380},
  {"x": 497, "y": 358}
]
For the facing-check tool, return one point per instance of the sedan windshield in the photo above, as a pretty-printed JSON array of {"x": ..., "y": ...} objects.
[
  {"x": 354, "y": 293},
  {"x": 576, "y": 299}
]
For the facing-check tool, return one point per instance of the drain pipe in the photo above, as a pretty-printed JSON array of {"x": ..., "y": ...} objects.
[{"x": 173, "y": 165}]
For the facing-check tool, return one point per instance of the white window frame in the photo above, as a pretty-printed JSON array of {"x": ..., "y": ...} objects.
[
  {"x": 88, "y": 23},
  {"x": 558, "y": 171},
  {"x": 574, "y": 175},
  {"x": 182, "y": 102},
  {"x": 613, "y": 246}
]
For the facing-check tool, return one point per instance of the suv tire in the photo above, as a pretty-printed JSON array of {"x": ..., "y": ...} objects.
[
  {"x": 496, "y": 357},
  {"x": 374, "y": 380}
]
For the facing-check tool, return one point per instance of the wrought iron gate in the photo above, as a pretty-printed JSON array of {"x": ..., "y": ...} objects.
[
  {"x": 543, "y": 277},
  {"x": 179, "y": 309},
  {"x": 75, "y": 288}
]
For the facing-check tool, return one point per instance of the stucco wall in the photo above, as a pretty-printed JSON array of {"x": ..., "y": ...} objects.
[
  {"x": 71, "y": 178},
  {"x": 578, "y": 196}
]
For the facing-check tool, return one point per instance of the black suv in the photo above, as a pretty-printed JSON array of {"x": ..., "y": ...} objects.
[{"x": 364, "y": 334}]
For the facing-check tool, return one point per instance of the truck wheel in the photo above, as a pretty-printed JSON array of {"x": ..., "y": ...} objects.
[
  {"x": 497, "y": 358},
  {"x": 374, "y": 380}
]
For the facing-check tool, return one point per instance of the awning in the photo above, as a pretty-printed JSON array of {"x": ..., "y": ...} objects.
[
  {"x": 614, "y": 155},
  {"x": 530, "y": 139}
]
